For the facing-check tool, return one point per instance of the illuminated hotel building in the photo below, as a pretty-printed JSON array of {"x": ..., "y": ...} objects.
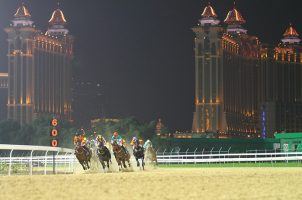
[
  {"x": 39, "y": 67},
  {"x": 241, "y": 85}
]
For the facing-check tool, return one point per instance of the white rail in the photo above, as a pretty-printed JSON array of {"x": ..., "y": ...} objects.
[
  {"x": 232, "y": 157},
  {"x": 60, "y": 157}
]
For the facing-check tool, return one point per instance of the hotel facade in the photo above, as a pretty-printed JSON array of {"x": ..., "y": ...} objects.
[
  {"x": 39, "y": 68},
  {"x": 244, "y": 88}
]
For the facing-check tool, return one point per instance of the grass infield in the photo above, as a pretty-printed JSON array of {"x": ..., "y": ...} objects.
[{"x": 219, "y": 165}]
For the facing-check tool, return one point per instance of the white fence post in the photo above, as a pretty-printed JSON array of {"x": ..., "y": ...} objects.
[
  {"x": 219, "y": 153},
  {"x": 45, "y": 163},
  {"x": 195, "y": 156},
  {"x": 170, "y": 156},
  {"x": 10, "y": 162},
  {"x": 65, "y": 162},
  {"x": 56, "y": 157},
  {"x": 229, "y": 149},
  {"x": 31, "y": 163},
  {"x": 29, "y": 160}
]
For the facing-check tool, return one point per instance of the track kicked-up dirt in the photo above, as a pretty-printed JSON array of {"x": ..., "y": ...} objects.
[{"x": 172, "y": 184}]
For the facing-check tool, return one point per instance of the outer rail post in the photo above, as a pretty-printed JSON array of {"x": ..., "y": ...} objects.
[
  {"x": 187, "y": 154},
  {"x": 219, "y": 153},
  {"x": 69, "y": 162},
  {"x": 10, "y": 162},
  {"x": 195, "y": 156},
  {"x": 65, "y": 162},
  {"x": 31, "y": 163},
  {"x": 212, "y": 149},
  {"x": 229, "y": 149},
  {"x": 164, "y": 152},
  {"x": 45, "y": 162},
  {"x": 164, "y": 155},
  {"x": 55, "y": 163},
  {"x": 170, "y": 156}
]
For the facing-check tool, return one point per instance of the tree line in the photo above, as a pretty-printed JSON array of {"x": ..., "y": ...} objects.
[{"x": 38, "y": 132}]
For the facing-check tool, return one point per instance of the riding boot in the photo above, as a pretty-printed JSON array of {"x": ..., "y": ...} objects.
[
  {"x": 125, "y": 150},
  {"x": 86, "y": 150}
]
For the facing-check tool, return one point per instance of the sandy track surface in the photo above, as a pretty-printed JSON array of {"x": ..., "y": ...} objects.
[{"x": 166, "y": 184}]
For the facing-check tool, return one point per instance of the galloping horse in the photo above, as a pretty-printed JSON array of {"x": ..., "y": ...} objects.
[
  {"x": 82, "y": 157},
  {"x": 138, "y": 153},
  {"x": 104, "y": 156},
  {"x": 121, "y": 156},
  {"x": 150, "y": 153}
]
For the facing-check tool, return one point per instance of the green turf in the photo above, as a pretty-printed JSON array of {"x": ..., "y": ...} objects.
[{"x": 217, "y": 165}]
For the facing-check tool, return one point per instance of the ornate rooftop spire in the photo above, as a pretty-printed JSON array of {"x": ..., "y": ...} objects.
[
  {"x": 22, "y": 17},
  {"x": 209, "y": 16},
  {"x": 209, "y": 11},
  {"x": 22, "y": 12},
  {"x": 234, "y": 17},
  {"x": 291, "y": 36},
  {"x": 57, "y": 23},
  {"x": 57, "y": 18},
  {"x": 234, "y": 20},
  {"x": 291, "y": 32}
]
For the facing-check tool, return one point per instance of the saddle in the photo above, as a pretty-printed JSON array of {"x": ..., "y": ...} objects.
[
  {"x": 138, "y": 150},
  {"x": 103, "y": 150}
]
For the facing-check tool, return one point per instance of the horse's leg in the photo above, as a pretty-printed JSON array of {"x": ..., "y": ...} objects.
[
  {"x": 103, "y": 164},
  {"x": 128, "y": 160},
  {"x": 119, "y": 164},
  {"x": 143, "y": 162},
  {"x": 83, "y": 165},
  {"x": 124, "y": 164},
  {"x": 87, "y": 163},
  {"x": 137, "y": 162}
]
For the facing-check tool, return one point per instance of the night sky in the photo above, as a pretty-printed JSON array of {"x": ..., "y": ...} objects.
[{"x": 142, "y": 50}]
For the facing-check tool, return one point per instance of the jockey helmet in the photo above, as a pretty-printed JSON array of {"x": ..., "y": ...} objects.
[{"x": 99, "y": 138}]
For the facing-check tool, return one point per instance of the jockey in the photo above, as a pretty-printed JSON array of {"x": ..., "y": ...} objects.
[
  {"x": 80, "y": 140},
  {"x": 135, "y": 142},
  {"x": 101, "y": 142},
  {"x": 119, "y": 140},
  {"x": 147, "y": 144}
]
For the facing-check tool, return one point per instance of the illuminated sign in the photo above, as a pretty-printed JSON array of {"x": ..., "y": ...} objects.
[
  {"x": 54, "y": 122},
  {"x": 54, "y": 143},
  {"x": 54, "y": 133}
]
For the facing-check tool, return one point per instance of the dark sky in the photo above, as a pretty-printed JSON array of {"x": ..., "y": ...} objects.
[{"x": 142, "y": 50}]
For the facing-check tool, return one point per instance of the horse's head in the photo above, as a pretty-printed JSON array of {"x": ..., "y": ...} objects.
[
  {"x": 115, "y": 146},
  {"x": 148, "y": 144},
  {"x": 79, "y": 149}
]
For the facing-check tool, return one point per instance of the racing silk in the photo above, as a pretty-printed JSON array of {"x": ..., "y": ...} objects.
[
  {"x": 79, "y": 140},
  {"x": 147, "y": 144},
  {"x": 136, "y": 142},
  {"x": 101, "y": 143},
  {"x": 118, "y": 140}
]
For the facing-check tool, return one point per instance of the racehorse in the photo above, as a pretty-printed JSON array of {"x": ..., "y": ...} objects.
[
  {"x": 104, "y": 156},
  {"x": 150, "y": 153},
  {"x": 82, "y": 157},
  {"x": 120, "y": 155},
  {"x": 138, "y": 153}
]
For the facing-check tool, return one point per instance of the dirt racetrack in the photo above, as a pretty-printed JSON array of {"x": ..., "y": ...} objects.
[{"x": 172, "y": 184}]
